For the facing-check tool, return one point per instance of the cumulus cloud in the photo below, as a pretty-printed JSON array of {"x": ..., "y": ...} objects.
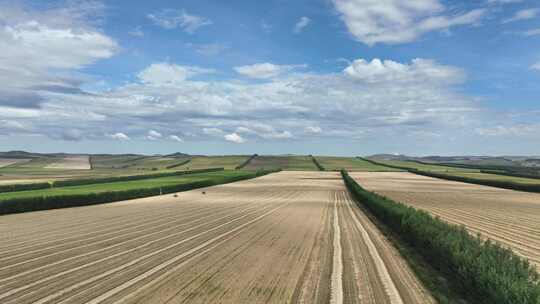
[
  {"x": 536, "y": 66},
  {"x": 172, "y": 19},
  {"x": 118, "y": 136},
  {"x": 419, "y": 70},
  {"x": 265, "y": 70},
  {"x": 397, "y": 21},
  {"x": 41, "y": 50},
  {"x": 263, "y": 130},
  {"x": 165, "y": 73},
  {"x": 153, "y": 135},
  {"x": 175, "y": 138},
  {"x": 301, "y": 24},
  {"x": 235, "y": 138},
  {"x": 523, "y": 14}
]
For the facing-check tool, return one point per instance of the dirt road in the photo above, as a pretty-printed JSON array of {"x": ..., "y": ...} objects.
[
  {"x": 289, "y": 237},
  {"x": 511, "y": 218}
]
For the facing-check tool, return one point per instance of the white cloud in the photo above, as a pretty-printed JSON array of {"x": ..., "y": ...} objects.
[
  {"x": 524, "y": 14},
  {"x": 172, "y": 19},
  {"x": 235, "y": 138},
  {"x": 176, "y": 138},
  {"x": 503, "y": 1},
  {"x": 313, "y": 130},
  {"x": 213, "y": 131},
  {"x": 165, "y": 73},
  {"x": 41, "y": 51},
  {"x": 265, "y": 70},
  {"x": 397, "y": 21},
  {"x": 263, "y": 130},
  {"x": 533, "y": 32},
  {"x": 510, "y": 130},
  {"x": 153, "y": 135},
  {"x": 419, "y": 70},
  {"x": 536, "y": 66},
  {"x": 301, "y": 24},
  {"x": 118, "y": 136}
]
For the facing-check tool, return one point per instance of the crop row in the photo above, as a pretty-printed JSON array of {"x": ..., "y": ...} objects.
[
  {"x": 35, "y": 203},
  {"x": 483, "y": 270}
]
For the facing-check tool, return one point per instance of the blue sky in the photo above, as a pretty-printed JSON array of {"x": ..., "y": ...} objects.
[{"x": 342, "y": 77}]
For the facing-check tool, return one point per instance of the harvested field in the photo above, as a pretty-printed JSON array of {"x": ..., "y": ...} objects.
[
  {"x": 71, "y": 162},
  {"x": 285, "y": 237},
  {"x": 511, "y": 218}
]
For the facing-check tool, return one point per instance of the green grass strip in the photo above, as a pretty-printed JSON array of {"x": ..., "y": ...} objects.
[{"x": 36, "y": 203}]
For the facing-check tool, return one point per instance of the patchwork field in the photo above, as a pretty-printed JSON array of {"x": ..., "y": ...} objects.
[
  {"x": 71, "y": 162},
  {"x": 426, "y": 167},
  {"x": 10, "y": 161},
  {"x": 509, "y": 217},
  {"x": 333, "y": 163},
  {"x": 122, "y": 185},
  {"x": 285, "y": 237},
  {"x": 289, "y": 162},
  {"x": 227, "y": 162}
]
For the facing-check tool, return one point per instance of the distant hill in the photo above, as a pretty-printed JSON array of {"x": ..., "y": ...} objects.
[{"x": 507, "y": 161}]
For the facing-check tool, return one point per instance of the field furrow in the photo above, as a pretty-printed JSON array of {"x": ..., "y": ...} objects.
[
  {"x": 290, "y": 237},
  {"x": 508, "y": 217}
]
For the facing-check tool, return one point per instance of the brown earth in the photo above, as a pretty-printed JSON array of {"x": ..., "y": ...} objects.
[
  {"x": 289, "y": 237},
  {"x": 511, "y": 218}
]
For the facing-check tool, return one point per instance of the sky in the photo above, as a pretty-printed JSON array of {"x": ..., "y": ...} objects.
[{"x": 325, "y": 77}]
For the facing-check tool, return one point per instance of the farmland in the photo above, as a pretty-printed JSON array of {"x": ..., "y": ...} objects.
[
  {"x": 333, "y": 163},
  {"x": 284, "y": 237},
  {"x": 509, "y": 217},
  {"x": 122, "y": 185},
  {"x": 471, "y": 175},
  {"x": 227, "y": 162},
  {"x": 289, "y": 162}
]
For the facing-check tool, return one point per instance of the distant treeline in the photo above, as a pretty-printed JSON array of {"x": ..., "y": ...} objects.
[
  {"x": 513, "y": 174},
  {"x": 246, "y": 162},
  {"x": 316, "y": 162},
  {"x": 484, "y": 271},
  {"x": 24, "y": 187},
  {"x": 18, "y": 205},
  {"x": 89, "y": 181},
  {"x": 466, "y": 179}
]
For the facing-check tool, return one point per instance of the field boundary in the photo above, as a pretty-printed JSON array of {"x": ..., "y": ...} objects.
[
  {"x": 484, "y": 271},
  {"x": 20, "y": 205},
  {"x": 178, "y": 164},
  {"x": 470, "y": 180},
  {"x": 317, "y": 164},
  {"x": 246, "y": 162}
]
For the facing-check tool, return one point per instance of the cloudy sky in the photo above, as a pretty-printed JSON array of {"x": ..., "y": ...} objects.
[{"x": 342, "y": 77}]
